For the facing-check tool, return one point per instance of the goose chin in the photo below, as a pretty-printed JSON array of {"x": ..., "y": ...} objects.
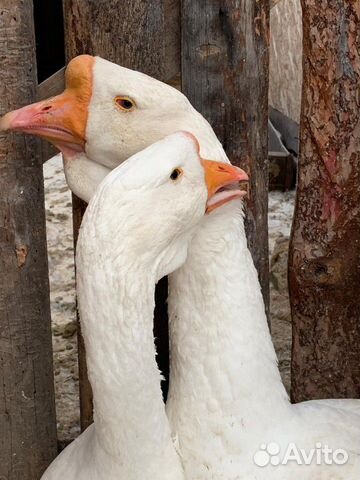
[{"x": 222, "y": 197}]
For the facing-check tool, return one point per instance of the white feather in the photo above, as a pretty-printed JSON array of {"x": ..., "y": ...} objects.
[
  {"x": 226, "y": 397},
  {"x": 136, "y": 229}
]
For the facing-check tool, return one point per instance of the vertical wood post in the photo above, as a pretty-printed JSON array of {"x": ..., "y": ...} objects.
[
  {"x": 130, "y": 33},
  {"x": 225, "y": 67},
  {"x": 324, "y": 262},
  {"x": 27, "y": 404}
]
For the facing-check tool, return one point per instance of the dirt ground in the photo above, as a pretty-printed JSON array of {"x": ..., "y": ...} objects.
[{"x": 62, "y": 283}]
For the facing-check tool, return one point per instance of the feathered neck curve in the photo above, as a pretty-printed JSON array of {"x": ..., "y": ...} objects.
[
  {"x": 116, "y": 302},
  {"x": 223, "y": 364},
  {"x": 218, "y": 323},
  {"x": 217, "y": 317}
]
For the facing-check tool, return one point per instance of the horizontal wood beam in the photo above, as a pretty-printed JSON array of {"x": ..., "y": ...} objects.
[{"x": 52, "y": 86}]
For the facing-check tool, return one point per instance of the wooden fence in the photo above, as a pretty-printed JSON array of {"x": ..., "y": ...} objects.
[{"x": 220, "y": 59}]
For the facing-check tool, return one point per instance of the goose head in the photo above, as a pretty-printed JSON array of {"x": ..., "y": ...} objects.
[
  {"x": 106, "y": 112},
  {"x": 154, "y": 200}
]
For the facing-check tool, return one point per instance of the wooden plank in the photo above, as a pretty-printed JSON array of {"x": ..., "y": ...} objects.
[
  {"x": 131, "y": 34},
  {"x": 52, "y": 86},
  {"x": 27, "y": 405},
  {"x": 324, "y": 258},
  {"x": 225, "y": 76},
  {"x": 172, "y": 40}
]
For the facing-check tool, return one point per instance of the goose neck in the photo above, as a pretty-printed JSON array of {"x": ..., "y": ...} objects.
[
  {"x": 221, "y": 346},
  {"x": 116, "y": 308}
]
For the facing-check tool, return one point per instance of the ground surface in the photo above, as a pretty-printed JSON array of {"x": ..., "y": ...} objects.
[{"x": 61, "y": 265}]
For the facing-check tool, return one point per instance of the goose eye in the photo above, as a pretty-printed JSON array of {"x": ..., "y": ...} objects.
[
  {"x": 175, "y": 174},
  {"x": 125, "y": 103}
]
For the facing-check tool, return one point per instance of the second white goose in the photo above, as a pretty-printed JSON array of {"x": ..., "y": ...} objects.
[{"x": 136, "y": 230}]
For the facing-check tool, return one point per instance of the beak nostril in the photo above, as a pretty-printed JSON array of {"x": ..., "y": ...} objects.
[{"x": 46, "y": 109}]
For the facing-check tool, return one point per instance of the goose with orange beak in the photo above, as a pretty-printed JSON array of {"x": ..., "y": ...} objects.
[
  {"x": 62, "y": 119},
  {"x": 226, "y": 399},
  {"x": 98, "y": 125},
  {"x": 160, "y": 193}
]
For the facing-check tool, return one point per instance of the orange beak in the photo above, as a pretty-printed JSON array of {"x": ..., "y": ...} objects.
[
  {"x": 222, "y": 181},
  {"x": 62, "y": 119}
]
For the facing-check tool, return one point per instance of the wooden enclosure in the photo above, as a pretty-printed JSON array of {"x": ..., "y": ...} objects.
[
  {"x": 324, "y": 262},
  {"x": 217, "y": 52}
]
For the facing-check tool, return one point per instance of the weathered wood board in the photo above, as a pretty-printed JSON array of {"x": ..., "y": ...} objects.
[
  {"x": 27, "y": 404},
  {"x": 324, "y": 270},
  {"x": 225, "y": 67}
]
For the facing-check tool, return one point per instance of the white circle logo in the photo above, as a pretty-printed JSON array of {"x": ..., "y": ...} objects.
[{"x": 268, "y": 453}]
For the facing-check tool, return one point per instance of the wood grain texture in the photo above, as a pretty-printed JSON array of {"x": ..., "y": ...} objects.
[
  {"x": 324, "y": 270},
  {"x": 129, "y": 33},
  {"x": 52, "y": 86},
  {"x": 225, "y": 66},
  {"x": 27, "y": 405},
  {"x": 274, "y": 2},
  {"x": 286, "y": 58}
]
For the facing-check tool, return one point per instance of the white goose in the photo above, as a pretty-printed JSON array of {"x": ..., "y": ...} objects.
[
  {"x": 150, "y": 206},
  {"x": 226, "y": 398}
]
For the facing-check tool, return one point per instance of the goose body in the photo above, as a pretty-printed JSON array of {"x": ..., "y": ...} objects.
[
  {"x": 130, "y": 438},
  {"x": 226, "y": 399},
  {"x": 152, "y": 213},
  {"x": 225, "y": 409}
]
